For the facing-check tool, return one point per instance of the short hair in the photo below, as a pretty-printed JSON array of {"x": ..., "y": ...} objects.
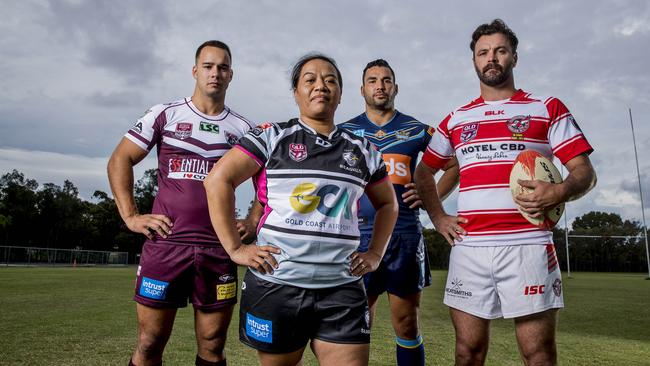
[
  {"x": 212, "y": 43},
  {"x": 295, "y": 70},
  {"x": 497, "y": 26},
  {"x": 380, "y": 62}
]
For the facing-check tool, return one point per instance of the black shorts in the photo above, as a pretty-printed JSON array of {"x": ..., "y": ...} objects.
[
  {"x": 404, "y": 269},
  {"x": 278, "y": 318}
]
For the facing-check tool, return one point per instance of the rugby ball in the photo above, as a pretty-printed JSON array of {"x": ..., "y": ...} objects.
[{"x": 531, "y": 165}]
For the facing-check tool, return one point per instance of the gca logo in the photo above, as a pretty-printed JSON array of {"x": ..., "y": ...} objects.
[{"x": 307, "y": 197}]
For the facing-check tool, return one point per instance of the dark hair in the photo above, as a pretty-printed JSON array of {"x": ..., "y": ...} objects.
[
  {"x": 497, "y": 26},
  {"x": 213, "y": 43},
  {"x": 380, "y": 62},
  {"x": 295, "y": 71}
]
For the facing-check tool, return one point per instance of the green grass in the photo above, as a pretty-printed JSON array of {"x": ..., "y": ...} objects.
[{"x": 85, "y": 316}]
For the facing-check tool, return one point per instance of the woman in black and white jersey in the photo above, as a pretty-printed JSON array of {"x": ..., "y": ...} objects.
[{"x": 303, "y": 280}]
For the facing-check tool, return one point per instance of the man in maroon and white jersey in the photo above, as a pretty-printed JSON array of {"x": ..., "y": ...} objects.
[
  {"x": 182, "y": 258},
  {"x": 500, "y": 264}
]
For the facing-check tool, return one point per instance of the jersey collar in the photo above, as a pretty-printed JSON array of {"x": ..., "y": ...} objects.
[
  {"x": 365, "y": 115},
  {"x": 306, "y": 127}
]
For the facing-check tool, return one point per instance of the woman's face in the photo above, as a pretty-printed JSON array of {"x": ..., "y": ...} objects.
[{"x": 318, "y": 92}]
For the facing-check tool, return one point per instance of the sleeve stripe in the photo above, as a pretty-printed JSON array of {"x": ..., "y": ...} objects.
[{"x": 258, "y": 161}]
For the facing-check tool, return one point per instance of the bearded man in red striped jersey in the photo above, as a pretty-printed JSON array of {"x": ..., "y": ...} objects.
[{"x": 501, "y": 265}]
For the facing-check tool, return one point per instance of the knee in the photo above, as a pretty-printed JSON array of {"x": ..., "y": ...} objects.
[
  {"x": 151, "y": 345},
  {"x": 406, "y": 326},
  {"x": 544, "y": 353},
  {"x": 470, "y": 352},
  {"x": 212, "y": 340}
]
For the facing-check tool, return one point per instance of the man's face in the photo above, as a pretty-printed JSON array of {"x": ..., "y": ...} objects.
[
  {"x": 494, "y": 59},
  {"x": 212, "y": 72},
  {"x": 379, "y": 88}
]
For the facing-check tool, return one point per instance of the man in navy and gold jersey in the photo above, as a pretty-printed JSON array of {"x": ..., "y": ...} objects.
[{"x": 404, "y": 270}]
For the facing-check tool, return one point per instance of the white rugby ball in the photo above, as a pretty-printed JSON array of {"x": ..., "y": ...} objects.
[{"x": 531, "y": 165}]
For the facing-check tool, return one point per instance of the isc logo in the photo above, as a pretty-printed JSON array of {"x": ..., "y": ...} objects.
[
  {"x": 307, "y": 197},
  {"x": 399, "y": 168},
  {"x": 534, "y": 289}
]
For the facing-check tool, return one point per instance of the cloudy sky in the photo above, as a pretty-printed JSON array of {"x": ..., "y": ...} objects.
[{"x": 76, "y": 74}]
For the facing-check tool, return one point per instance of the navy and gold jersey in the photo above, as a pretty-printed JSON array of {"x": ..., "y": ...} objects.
[
  {"x": 309, "y": 185},
  {"x": 399, "y": 141}
]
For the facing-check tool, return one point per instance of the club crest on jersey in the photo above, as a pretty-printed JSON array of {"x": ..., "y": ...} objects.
[
  {"x": 519, "y": 124},
  {"x": 350, "y": 158},
  {"x": 402, "y": 135},
  {"x": 231, "y": 138},
  {"x": 297, "y": 152},
  {"x": 183, "y": 130},
  {"x": 469, "y": 132},
  {"x": 557, "y": 287}
]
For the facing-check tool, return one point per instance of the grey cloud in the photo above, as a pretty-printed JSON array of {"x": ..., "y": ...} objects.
[{"x": 118, "y": 38}]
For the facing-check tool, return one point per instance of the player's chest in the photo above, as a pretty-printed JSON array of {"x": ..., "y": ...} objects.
[
  {"x": 202, "y": 132},
  {"x": 497, "y": 126}
]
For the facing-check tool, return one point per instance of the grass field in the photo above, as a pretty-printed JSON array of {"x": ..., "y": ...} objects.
[{"x": 85, "y": 316}]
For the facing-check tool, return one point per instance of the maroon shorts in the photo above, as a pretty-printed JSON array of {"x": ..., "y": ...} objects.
[{"x": 170, "y": 274}]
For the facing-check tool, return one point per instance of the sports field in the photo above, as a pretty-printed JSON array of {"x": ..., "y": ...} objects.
[{"x": 85, "y": 316}]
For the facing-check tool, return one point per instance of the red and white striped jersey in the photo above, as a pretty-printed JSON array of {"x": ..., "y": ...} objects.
[{"x": 486, "y": 137}]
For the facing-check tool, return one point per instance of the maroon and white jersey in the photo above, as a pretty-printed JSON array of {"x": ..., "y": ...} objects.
[
  {"x": 486, "y": 137},
  {"x": 188, "y": 143}
]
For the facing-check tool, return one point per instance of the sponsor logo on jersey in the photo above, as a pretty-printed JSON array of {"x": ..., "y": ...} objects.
[
  {"x": 574, "y": 123},
  {"x": 153, "y": 289},
  {"x": 488, "y": 152},
  {"x": 469, "y": 132},
  {"x": 518, "y": 125},
  {"x": 360, "y": 132},
  {"x": 350, "y": 158},
  {"x": 226, "y": 291},
  {"x": 534, "y": 290},
  {"x": 231, "y": 138},
  {"x": 323, "y": 143},
  {"x": 193, "y": 169},
  {"x": 183, "y": 130},
  {"x": 259, "y": 329},
  {"x": 307, "y": 197},
  {"x": 495, "y": 113},
  {"x": 297, "y": 152},
  {"x": 398, "y": 167},
  {"x": 557, "y": 287},
  {"x": 137, "y": 127},
  {"x": 456, "y": 289},
  {"x": 226, "y": 278},
  {"x": 402, "y": 135},
  {"x": 208, "y": 127}
]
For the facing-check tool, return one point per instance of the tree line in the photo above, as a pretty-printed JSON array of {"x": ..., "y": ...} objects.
[{"x": 52, "y": 216}]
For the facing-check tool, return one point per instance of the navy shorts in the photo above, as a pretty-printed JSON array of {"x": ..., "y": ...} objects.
[
  {"x": 277, "y": 318},
  {"x": 404, "y": 269},
  {"x": 169, "y": 275}
]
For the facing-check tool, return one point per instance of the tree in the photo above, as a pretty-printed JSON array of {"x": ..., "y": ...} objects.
[
  {"x": 145, "y": 190},
  {"x": 603, "y": 253},
  {"x": 18, "y": 205}
]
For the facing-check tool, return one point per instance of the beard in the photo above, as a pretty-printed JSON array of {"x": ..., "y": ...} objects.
[
  {"x": 494, "y": 79},
  {"x": 381, "y": 105}
]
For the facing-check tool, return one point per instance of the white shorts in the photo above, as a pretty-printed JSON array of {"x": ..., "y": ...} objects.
[{"x": 503, "y": 281}]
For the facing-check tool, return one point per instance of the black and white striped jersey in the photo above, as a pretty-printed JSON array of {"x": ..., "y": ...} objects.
[{"x": 310, "y": 185}]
